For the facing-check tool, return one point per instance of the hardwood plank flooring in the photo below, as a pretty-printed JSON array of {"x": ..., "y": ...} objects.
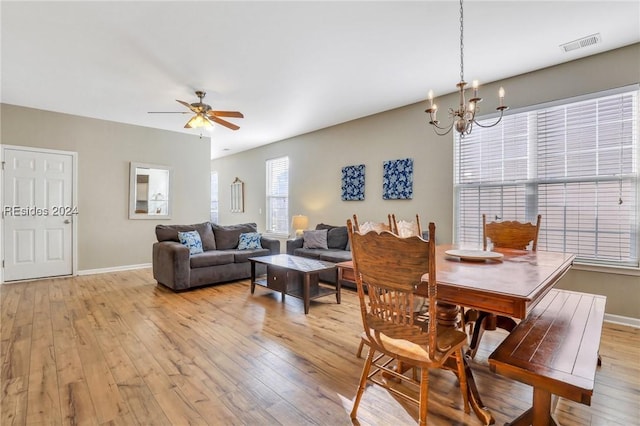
[{"x": 119, "y": 349}]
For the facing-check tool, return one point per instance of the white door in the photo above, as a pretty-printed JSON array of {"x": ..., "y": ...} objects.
[{"x": 38, "y": 212}]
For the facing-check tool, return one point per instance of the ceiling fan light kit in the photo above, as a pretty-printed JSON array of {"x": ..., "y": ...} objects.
[
  {"x": 205, "y": 115},
  {"x": 198, "y": 120}
]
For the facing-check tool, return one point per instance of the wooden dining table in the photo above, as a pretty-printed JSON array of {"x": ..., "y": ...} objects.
[{"x": 510, "y": 286}]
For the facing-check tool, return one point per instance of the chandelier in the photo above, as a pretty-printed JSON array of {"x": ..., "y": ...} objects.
[{"x": 464, "y": 117}]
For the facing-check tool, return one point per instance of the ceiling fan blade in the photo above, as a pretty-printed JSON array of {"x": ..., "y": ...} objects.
[
  {"x": 224, "y": 123},
  {"x": 188, "y": 105},
  {"x": 235, "y": 114}
]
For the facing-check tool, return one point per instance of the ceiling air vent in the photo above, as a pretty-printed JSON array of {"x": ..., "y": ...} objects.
[{"x": 587, "y": 41}]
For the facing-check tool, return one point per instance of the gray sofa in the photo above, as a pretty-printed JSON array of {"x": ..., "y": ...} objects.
[
  {"x": 221, "y": 260},
  {"x": 338, "y": 249}
]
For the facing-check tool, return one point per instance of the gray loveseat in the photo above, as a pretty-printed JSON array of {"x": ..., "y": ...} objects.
[
  {"x": 338, "y": 249},
  {"x": 221, "y": 260}
]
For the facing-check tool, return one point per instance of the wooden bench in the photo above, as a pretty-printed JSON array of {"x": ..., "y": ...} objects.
[{"x": 555, "y": 350}]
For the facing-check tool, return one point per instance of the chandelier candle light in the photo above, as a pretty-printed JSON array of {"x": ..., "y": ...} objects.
[{"x": 464, "y": 117}]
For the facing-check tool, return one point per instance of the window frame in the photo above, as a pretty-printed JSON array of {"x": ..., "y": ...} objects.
[
  {"x": 277, "y": 220},
  {"x": 214, "y": 208},
  {"x": 531, "y": 184}
]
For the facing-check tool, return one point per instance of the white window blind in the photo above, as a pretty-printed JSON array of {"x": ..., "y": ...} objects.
[
  {"x": 575, "y": 163},
  {"x": 278, "y": 195},
  {"x": 214, "y": 197}
]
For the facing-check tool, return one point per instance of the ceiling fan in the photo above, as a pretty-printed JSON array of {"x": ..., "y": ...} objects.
[{"x": 204, "y": 114}]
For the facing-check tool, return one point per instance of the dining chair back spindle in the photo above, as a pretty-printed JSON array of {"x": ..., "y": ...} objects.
[
  {"x": 387, "y": 270},
  {"x": 406, "y": 228},
  {"x": 367, "y": 226}
]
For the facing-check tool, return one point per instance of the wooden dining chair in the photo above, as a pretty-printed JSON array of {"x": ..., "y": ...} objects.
[
  {"x": 401, "y": 228},
  {"x": 387, "y": 270},
  {"x": 364, "y": 228},
  {"x": 405, "y": 228},
  {"x": 509, "y": 235}
]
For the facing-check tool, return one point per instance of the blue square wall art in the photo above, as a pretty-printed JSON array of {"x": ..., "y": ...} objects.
[
  {"x": 397, "y": 179},
  {"x": 353, "y": 183}
]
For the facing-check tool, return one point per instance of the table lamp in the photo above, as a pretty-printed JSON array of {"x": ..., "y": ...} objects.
[{"x": 299, "y": 223}]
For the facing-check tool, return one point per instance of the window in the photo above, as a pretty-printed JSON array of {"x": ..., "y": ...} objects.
[
  {"x": 214, "y": 197},
  {"x": 278, "y": 195},
  {"x": 574, "y": 162}
]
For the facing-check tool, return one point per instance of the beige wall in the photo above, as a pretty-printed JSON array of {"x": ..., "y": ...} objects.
[
  {"x": 107, "y": 238},
  {"x": 316, "y": 160}
]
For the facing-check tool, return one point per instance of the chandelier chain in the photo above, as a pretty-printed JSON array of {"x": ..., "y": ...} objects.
[{"x": 461, "y": 43}]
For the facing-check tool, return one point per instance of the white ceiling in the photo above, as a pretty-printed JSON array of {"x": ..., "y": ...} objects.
[{"x": 291, "y": 67}]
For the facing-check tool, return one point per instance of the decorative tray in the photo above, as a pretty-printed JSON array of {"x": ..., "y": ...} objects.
[{"x": 476, "y": 255}]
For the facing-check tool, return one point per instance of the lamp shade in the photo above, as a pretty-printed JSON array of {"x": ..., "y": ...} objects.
[{"x": 299, "y": 223}]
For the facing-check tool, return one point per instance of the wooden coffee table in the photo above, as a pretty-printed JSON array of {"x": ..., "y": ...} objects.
[{"x": 294, "y": 276}]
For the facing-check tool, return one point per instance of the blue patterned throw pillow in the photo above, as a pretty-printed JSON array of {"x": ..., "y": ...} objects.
[
  {"x": 249, "y": 240},
  {"x": 192, "y": 240}
]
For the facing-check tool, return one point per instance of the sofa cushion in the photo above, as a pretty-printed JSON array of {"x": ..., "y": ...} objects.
[
  {"x": 228, "y": 236},
  {"x": 335, "y": 256},
  {"x": 315, "y": 239},
  {"x": 170, "y": 233},
  {"x": 310, "y": 253},
  {"x": 325, "y": 226},
  {"x": 211, "y": 258},
  {"x": 241, "y": 256},
  {"x": 337, "y": 237},
  {"x": 192, "y": 240},
  {"x": 249, "y": 240}
]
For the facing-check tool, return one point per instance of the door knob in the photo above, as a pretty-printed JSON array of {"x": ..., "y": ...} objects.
[{"x": 67, "y": 221}]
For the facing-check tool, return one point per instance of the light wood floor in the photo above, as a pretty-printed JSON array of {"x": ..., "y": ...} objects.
[{"x": 118, "y": 349}]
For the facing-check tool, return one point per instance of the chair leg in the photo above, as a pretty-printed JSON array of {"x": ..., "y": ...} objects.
[
  {"x": 359, "y": 353},
  {"x": 363, "y": 383},
  {"x": 462, "y": 378},
  {"x": 424, "y": 396}
]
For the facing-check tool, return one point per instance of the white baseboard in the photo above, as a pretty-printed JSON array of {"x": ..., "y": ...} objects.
[
  {"x": 618, "y": 319},
  {"x": 114, "y": 269}
]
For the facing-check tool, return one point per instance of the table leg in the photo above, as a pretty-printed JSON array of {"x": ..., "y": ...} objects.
[
  {"x": 485, "y": 321},
  {"x": 253, "y": 277},
  {"x": 338, "y": 288},
  {"x": 539, "y": 414},
  {"x": 542, "y": 407},
  {"x": 305, "y": 292},
  {"x": 285, "y": 285},
  {"x": 448, "y": 316}
]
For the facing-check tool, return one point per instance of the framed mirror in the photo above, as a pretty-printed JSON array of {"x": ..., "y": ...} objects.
[
  {"x": 237, "y": 196},
  {"x": 149, "y": 191}
]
